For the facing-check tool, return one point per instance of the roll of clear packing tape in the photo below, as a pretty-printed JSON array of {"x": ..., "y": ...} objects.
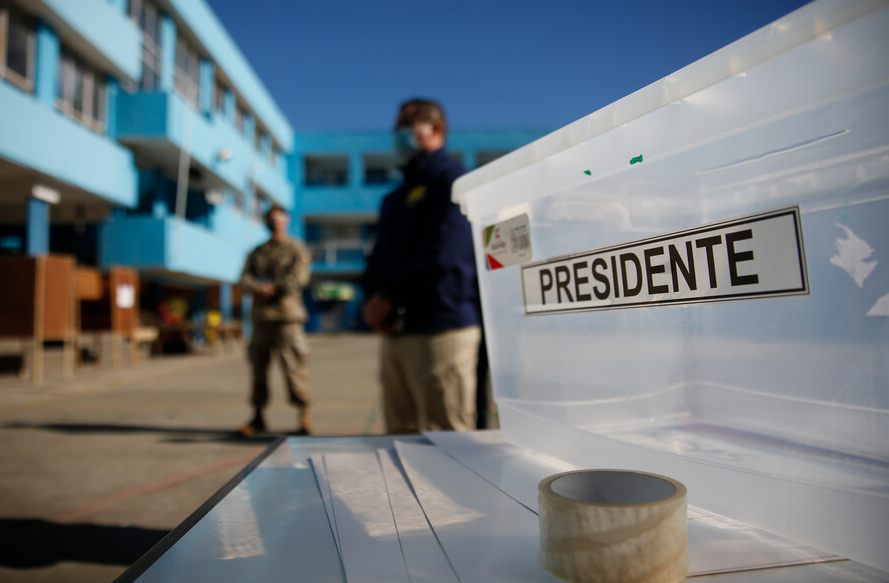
[{"x": 613, "y": 526}]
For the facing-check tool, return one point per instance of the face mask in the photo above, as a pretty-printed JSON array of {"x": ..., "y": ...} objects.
[{"x": 406, "y": 146}]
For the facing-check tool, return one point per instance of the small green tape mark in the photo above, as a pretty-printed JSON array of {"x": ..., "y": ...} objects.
[
  {"x": 636, "y": 159},
  {"x": 488, "y": 232},
  {"x": 588, "y": 172}
]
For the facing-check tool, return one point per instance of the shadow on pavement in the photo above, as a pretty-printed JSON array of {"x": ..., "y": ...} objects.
[
  {"x": 172, "y": 434},
  {"x": 32, "y": 543},
  {"x": 10, "y": 365}
]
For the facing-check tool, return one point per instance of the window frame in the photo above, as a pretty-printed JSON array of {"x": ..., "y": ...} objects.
[
  {"x": 187, "y": 72},
  {"x": 327, "y": 170},
  {"x": 240, "y": 118},
  {"x": 9, "y": 16},
  {"x": 257, "y": 139},
  {"x": 261, "y": 203},
  {"x": 139, "y": 12},
  {"x": 219, "y": 91},
  {"x": 92, "y": 91}
]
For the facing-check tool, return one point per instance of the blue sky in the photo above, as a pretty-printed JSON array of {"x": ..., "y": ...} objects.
[{"x": 343, "y": 65}]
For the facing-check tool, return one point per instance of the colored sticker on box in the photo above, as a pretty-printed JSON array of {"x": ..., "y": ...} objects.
[
  {"x": 508, "y": 243},
  {"x": 752, "y": 257}
]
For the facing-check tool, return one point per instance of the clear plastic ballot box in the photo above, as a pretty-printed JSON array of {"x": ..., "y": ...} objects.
[{"x": 694, "y": 281}]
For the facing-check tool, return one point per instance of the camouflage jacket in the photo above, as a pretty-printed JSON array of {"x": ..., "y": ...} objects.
[{"x": 288, "y": 265}]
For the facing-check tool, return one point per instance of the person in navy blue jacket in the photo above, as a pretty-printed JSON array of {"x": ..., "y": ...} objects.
[{"x": 421, "y": 285}]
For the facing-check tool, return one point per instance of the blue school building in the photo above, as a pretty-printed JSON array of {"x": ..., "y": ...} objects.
[{"x": 135, "y": 133}]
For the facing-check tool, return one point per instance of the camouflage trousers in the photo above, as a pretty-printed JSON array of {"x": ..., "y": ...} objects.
[{"x": 288, "y": 341}]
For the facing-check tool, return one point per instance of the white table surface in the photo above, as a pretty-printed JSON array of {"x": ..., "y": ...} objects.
[{"x": 270, "y": 522}]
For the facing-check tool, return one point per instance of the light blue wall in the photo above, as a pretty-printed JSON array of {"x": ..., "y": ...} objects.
[
  {"x": 177, "y": 246},
  {"x": 228, "y": 57},
  {"x": 103, "y": 25},
  {"x": 321, "y": 200},
  {"x": 353, "y": 198},
  {"x": 358, "y": 198},
  {"x": 46, "y": 72},
  {"x": 45, "y": 140},
  {"x": 163, "y": 117}
]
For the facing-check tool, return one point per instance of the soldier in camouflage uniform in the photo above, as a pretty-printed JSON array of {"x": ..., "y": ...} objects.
[{"x": 275, "y": 274}]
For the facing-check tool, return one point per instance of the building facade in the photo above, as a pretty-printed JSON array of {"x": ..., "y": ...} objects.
[{"x": 136, "y": 134}]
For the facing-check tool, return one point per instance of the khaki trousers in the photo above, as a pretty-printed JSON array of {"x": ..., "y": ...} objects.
[
  {"x": 288, "y": 341},
  {"x": 429, "y": 380}
]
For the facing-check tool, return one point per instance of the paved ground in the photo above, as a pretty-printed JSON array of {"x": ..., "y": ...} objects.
[{"x": 96, "y": 470}]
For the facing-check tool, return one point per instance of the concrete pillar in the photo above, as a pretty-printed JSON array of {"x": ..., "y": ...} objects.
[
  {"x": 247, "y": 315},
  {"x": 111, "y": 90},
  {"x": 225, "y": 301},
  {"x": 207, "y": 81},
  {"x": 37, "y": 232},
  {"x": 168, "y": 54},
  {"x": 356, "y": 170},
  {"x": 155, "y": 188},
  {"x": 47, "y": 65}
]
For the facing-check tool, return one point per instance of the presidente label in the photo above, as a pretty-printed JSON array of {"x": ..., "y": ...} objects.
[{"x": 756, "y": 256}]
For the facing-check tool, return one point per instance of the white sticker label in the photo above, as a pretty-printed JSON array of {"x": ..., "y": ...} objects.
[
  {"x": 508, "y": 243},
  {"x": 126, "y": 296},
  {"x": 756, "y": 256}
]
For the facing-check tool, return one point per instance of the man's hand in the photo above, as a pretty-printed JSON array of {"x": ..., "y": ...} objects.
[
  {"x": 376, "y": 313},
  {"x": 264, "y": 291}
]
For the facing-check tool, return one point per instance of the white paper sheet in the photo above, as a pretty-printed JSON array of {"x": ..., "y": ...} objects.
[
  {"x": 716, "y": 544},
  {"x": 369, "y": 543},
  {"x": 425, "y": 559},
  {"x": 513, "y": 470},
  {"x": 487, "y": 535},
  {"x": 317, "y": 462}
]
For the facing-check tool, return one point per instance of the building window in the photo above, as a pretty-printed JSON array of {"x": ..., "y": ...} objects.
[
  {"x": 16, "y": 48},
  {"x": 329, "y": 170},
  {"x": 146, "y": 16},
  {"x": 257, "y": 139},
  {"x": 240, "y": 114},
  {"x": 81, "y": 92},
  {"x": 261, "y": 204},
  {"x": 219, "y": 98},
  {"x": 188, "y": 67},
  {"x": 380, "y": 169},
  {"x": 273, "y": 157}
]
